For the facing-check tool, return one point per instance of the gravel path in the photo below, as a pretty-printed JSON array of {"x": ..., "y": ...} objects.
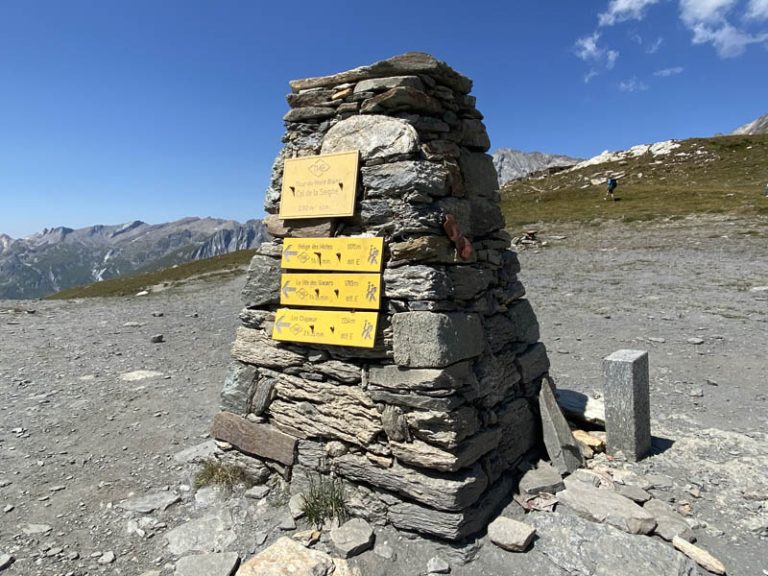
[{"x": 81, "y": 429}]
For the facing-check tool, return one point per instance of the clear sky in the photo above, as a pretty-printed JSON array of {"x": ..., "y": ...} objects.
[{"x": 112, "y": 111}]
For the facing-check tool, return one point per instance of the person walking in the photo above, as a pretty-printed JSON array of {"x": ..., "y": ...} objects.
[{"x": 612, "y": 183}]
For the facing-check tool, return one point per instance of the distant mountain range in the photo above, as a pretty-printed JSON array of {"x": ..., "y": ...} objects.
[
  {"x": 759, "y": 126},
  {"x": 513, "y": 164},
  {"x": 60, "y": 258}
]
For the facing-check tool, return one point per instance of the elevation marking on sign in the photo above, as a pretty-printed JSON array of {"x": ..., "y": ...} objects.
[
  {"x": 333, "y": 254},
  {"x": 356, "y": 329},
  {"x": 359, "y": 291}
]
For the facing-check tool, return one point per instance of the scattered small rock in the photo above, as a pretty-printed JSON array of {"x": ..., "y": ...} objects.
[
  {"x": 352, "y": 537},
  {"x": 257, "y": 492},
  {"x": 695, "y": 341},
  {"x": 217, "y": 564},
  {"x": 437, "y": 565},
  {"x": 5, "y": 561},
  {"x": 510, "y": 534},
  {"x": 296, "y": 505},
  {"x": 106, "y": 558},
  {"x": 699, "y": 555},
  {"x": 150, "y": 503},
  {"x": 157, "y": 339}
]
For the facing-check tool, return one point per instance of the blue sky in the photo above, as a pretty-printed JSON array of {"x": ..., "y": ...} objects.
[{"x": 112, "y": 111}]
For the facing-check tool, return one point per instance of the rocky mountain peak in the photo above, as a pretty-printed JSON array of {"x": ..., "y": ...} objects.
[
  {"x": 512, "y": 164},
  {"x": 759, "y": 126}
]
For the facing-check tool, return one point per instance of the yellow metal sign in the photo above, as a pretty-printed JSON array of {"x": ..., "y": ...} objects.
[
  {"x": 319, "y": 186},
  {"x": 356, "y": 329},
  {"x": 360, "y": 291},
  {"x": 333, "y": 254}
]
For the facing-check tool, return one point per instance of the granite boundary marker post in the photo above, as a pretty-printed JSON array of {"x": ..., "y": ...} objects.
[{"x": 627, "y": 403}]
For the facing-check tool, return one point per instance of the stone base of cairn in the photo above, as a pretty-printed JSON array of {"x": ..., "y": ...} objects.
[{"x": 427, "y": 429}]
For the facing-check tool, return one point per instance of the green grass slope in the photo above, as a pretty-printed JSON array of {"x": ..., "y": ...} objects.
[
  {"x": 210, "y": 268},
  {"x": 726, "y": 174}
]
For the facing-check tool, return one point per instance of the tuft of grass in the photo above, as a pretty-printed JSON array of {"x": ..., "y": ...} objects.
[
  {"x": 217, "y": 267},
  {"x": 722, "y": 175},
  {"x": 215, "y": 473},
  {"x": 324, "y": 501}
]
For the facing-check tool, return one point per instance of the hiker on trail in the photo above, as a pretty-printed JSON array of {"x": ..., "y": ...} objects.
[{"x": 612, "y": 183}]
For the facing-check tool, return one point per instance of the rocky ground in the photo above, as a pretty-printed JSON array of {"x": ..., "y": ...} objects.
[{"x": 93, "y": 415}]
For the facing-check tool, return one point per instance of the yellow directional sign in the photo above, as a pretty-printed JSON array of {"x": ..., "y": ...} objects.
[
  {"x": 333, "y": 254},
  {"x": 356, "y": 329},
  {"x": 319, "y": 186},
  {"x": 359, "y": 291}
]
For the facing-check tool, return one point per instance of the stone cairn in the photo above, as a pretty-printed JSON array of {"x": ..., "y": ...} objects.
[{"x": 427, "y": 429}]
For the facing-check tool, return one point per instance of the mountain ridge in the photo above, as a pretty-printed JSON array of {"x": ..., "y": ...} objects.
[
  {"x": 512, "y": 164},
  {"x": 61, "y": 257},
  {"x": 757, "y": 126}
]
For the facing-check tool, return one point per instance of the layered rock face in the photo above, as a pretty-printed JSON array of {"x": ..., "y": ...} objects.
[{"x": 425, "y": 429}]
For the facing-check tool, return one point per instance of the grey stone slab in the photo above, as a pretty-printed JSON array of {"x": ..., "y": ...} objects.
[
  {"x": 562, "y": 448},
  {"x": 218, "y": 564},
  {"x": 634, "y": 493},
  {"x": 479, "y": 174},
  {"x": 262, "y": 285},
  {"x": 518, "y": 325},
  {"x": 398, "y": 179},
  {"x": 543, "y": 478},
  {"x": 417, "y": 282},
  {"x": 434, "y": 340},
  {"x": 210, "y": 533},
  {"x": 418, "y": 401},
  {"x": 455, "y": 377},
  {"x": 520, "y": 431},
  {"x": 450, "y": 525},
  {"x": 627, "y": 403},
  {"x": 444, "y": 429},
  {"x": 150, "y": 502},
  {"x": 352, "y": 537},
  {"x": 582, "y": 547},
  {"x": 423, "y": 455},
  {"x": 238, "y": 389},
  {"x": 408, "y": 64},
  {"x": 668, "y": 522},
  {"x": 470, "y": 281},
  {"x": 603, "y": 505},
  {"x": 511, "y": 534},
  {"x": 377, "y": 84},
  {"x": 197, "y": 453},
  {"x": 402, "y": 99},
  {"x": 309, "y": 114},
  {"x": 376, "y": 137},
  {"x": 533, "y": 362},
  {"x": 451, "y": 492}
]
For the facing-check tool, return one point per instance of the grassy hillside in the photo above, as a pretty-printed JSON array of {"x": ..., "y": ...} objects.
[
  {"x": 216, "y": 267},
  {"x": 726, "y": 174}
]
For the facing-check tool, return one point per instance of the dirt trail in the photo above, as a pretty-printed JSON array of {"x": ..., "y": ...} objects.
[{"x": 81, "y": 430}]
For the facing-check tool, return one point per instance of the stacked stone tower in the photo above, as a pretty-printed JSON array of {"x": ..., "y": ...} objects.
[{"x": 426, "y": 428}]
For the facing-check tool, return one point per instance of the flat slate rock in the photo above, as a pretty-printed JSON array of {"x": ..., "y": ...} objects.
[
  {"x": 352, "y": 537},
  {"x": 561, "y": 446},
  {"x": 578, "y": 546},
  {"x": 604, "y": 505},
  {"x": 211, "y": 533},
  {"x": 150, "y": 502},
  {"x": 543, "y": 478},
  {"x": 288, "y": 557},
  {"x": 668, "y": 522},
  {"x": 223, "y": 564}
]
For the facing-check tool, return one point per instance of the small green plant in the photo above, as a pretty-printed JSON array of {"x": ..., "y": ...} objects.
[
  {"x": 324, "y": 501},
  {"x": 215, "y": 473}
]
